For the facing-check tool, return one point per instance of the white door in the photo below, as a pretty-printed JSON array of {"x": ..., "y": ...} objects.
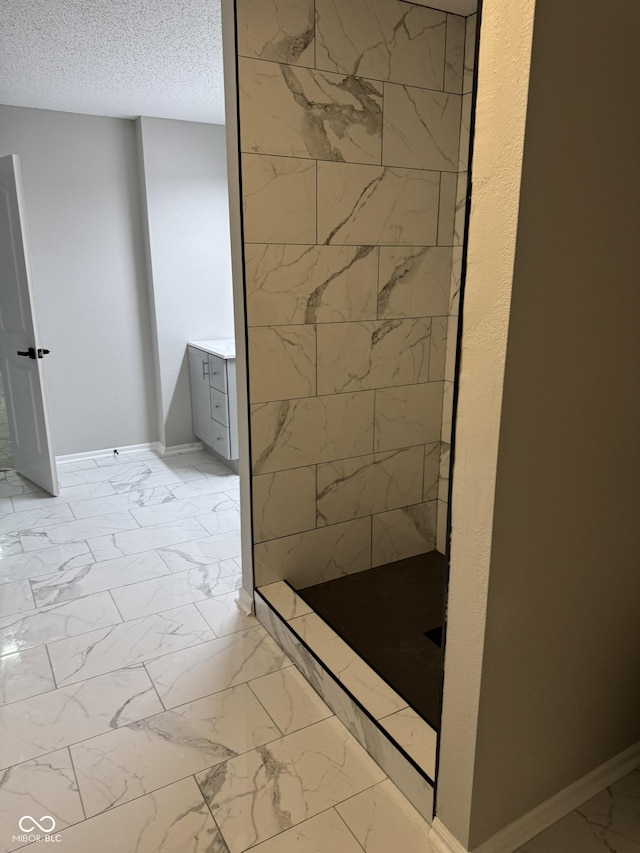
[{"x": 21, "y": 353}]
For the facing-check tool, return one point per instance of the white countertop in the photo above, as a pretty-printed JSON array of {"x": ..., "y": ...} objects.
[{"x": 224, "y": 348}]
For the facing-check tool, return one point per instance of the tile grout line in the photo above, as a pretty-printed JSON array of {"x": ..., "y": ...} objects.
[{"x": 75, "y": 774}]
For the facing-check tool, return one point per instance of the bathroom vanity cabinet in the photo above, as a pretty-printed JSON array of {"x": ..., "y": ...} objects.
[{"x": 214, "y": 410}]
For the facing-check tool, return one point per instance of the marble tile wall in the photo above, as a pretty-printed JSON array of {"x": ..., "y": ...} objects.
[
  {"x": 352, "y": 118},
  {"x": 458, "y": 198}
]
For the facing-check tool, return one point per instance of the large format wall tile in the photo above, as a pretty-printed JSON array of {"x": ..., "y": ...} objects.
[
  {"x": 437, "y": 359},
  {"x": 358, "y": 487},
  {"x": 414, "y": 281},
  {"x": 279, "y": 199},
  {"x": 301, "y": 113},
  {"x": 383, "y": 39},
  {"x": 421, "y": 128},
  {"x": 454, "y": 57},
  {"x": 315, "y": 556},
  {"x": 355, "y": 356},
  {"x": 432, "y": 458},
  {"x": 404, "y": 532},
  {"x": 294, "y": 433},
  {"x": 469, "y": 53},
  {"x": 447, "y": 211},
  {"x": 408, "y": 415},
  {"x": 364, "y": 205},
  {"x": 279, "y": 30},
  {"x": 282, "y": 362},
  {"x": 284, "y": 503},
  {"x": 310, "y": 284}
]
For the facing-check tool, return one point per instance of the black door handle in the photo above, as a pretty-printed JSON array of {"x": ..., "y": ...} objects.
[{"x": 33, "y": 353}]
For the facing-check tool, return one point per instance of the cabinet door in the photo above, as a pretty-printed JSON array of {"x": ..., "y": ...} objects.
[{"x": 200, "y": 400}]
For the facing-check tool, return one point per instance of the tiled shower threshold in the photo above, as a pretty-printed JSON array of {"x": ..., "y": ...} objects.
[{"x": 396, "y": 737}]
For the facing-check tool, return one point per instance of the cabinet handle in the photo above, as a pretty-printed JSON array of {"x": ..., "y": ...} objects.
[{"x": 205, "y": 367}]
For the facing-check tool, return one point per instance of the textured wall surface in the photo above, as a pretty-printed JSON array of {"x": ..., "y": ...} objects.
[{"x": 350, "y": 136}]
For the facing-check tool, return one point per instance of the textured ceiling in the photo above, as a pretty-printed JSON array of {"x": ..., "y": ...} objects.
[{"x": 119, "y": 58}]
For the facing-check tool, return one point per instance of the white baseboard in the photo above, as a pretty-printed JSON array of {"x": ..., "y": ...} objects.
[
  {"x": 179, "y": 448},
  {"x": 522, "y": 830},
  {"x": 131, "y": 448},
  {"x": 245, "y": 602},
  {"x": 108, "y": 451},
  {"x": 442, "y": 841}
]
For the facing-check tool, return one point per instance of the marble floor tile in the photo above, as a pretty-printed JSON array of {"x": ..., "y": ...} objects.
[
  {"x": 324, "y": 833},
  {"x": 289, "y": 700},
  {"x": 78, "y": 531},
  {"x": 35, "y": 627},
  {"x": 415, "y": 736},
  {"x": 120, "y": 475},
  {"x": 11, "y": 488},
  {"x": 203, "y": 486},
  {"x": 176, "y": 510},
  {"x": 145, "y": 539},
  {"x": 96, "y": 577},
  {"x": 214, "y": 666},
  {"x": 155, "y": 479},
  {"x": 25, "y": 674},
  {"x": 225, "y": 522},
  {"x": 9, "y": 545},
  {"x": 54, "y": 559},
  {"x": 126, "y": 644},
  {"x": 223, "y": 615},
  {"x": 6, "y": 505},
  {"x": 101, "y": 505},
  {"x": 77, "y": 465},
  {"x": 607, "y": 823},
  {"x": 21, "y": 522},
  {"x": 44, "y": 723},
  {"x": 202, "y": 552},
  {"x": 38, "y": 500},
  {"x": 383, "y": 820},
  {"x": 44, "y": 786},
  {"x": 285, "y": 600},
  {"x": 15, "y": 597},
  {"x": 174, "y": 819},
  {"x": 136, "y": 759},
  {"x": 174, "y": 589},
  {"x": 258, "y": 795},
  {"x": 361, "y": 681}
]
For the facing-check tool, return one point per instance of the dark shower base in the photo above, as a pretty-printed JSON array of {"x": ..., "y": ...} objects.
[{"x": 392, "y": 617}]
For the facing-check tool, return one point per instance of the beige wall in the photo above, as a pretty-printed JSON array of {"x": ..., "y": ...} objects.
[
  {"x": 503, "y": 69},
  {"x": 559, "y": 690}
]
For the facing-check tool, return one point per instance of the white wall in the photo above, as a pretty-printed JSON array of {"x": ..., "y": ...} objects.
[
  {"x": 84, "y": 220},
  {"x": 186, "y": 198}
]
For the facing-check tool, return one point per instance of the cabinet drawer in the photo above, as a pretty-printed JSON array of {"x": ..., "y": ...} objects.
[
  {"x": 219, "y": 407},
  {"x": 221, "y": 441},
  {"x": 217, "y": 373}
]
